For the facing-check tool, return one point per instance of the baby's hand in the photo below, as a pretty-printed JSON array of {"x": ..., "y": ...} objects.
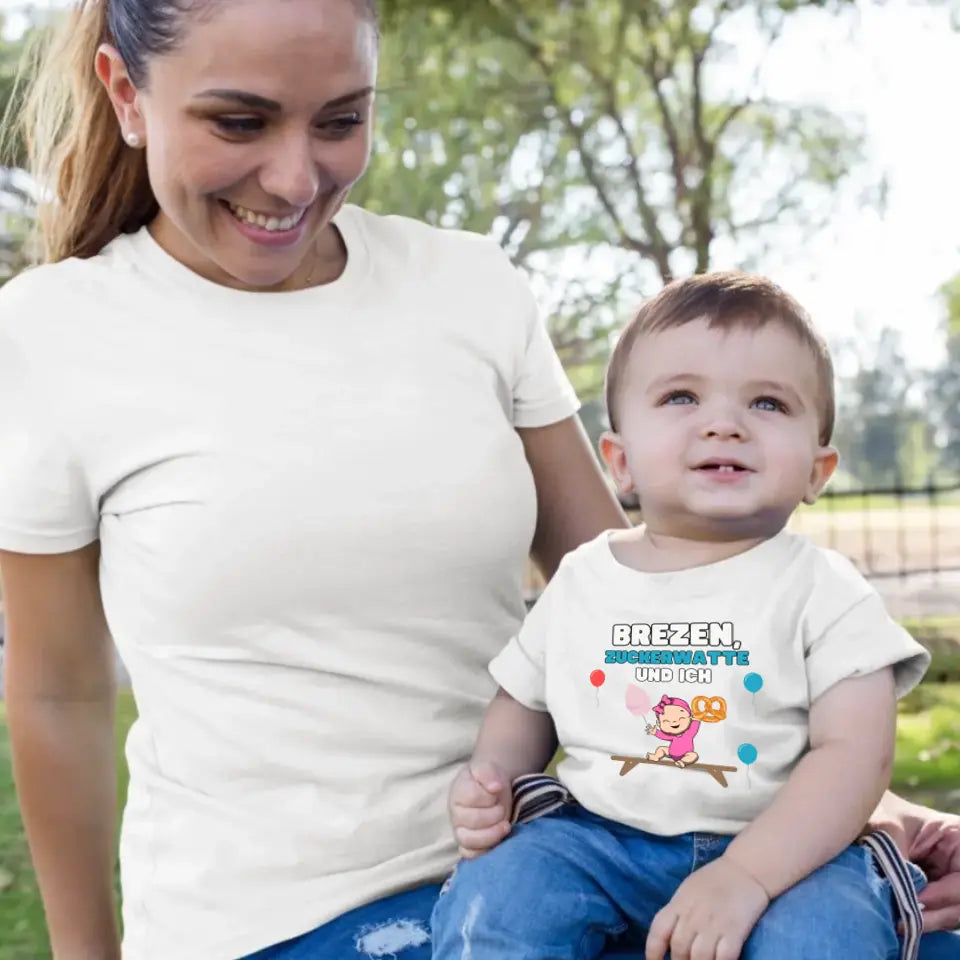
[
  {"x": 480, "y": 805},
  {"x": 651, "y": 728},
  {"x": 710, "y": 916}
]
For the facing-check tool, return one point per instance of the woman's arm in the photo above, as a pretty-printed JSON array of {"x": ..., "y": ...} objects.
[
  {"x": 60, "y": 693},
  {"x": 574, "y": 502}
]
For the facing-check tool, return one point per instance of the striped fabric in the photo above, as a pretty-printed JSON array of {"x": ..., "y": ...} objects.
[{"x": 536, "y": 794}]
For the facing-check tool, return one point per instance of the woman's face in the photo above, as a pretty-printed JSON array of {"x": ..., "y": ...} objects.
[{"x": 256, "y": 127}]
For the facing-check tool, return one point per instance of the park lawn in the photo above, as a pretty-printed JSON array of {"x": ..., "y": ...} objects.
[
  {"x": 928, "y": 743},
  {"x": 927, "y": 766},
  {"x": 22, "y": 932}
]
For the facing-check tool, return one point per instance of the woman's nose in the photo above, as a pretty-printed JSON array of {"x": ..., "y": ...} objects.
[{"x": 292, "y": 173}]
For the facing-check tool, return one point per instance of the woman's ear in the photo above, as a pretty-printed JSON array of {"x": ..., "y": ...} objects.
[{"x": 112, "y": 73}]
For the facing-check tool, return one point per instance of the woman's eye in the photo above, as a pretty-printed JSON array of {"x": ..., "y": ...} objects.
[
  {"x": 343, "y": 125},
  {"x": 769, "y": 403},
  {"x": 239, "y": 124},
  {"x": 678, "y": 397}
]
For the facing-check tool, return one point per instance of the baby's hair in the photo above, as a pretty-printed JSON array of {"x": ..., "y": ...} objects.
[{"x": 727, "y": 300}]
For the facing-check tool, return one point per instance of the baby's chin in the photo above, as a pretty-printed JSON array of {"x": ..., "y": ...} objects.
[{"x": 720, "y": 522}]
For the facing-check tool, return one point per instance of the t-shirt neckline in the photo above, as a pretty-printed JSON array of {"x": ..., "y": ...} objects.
[
  {"x": 729, "y": 572},
  {"x": 150, "y": 253}
]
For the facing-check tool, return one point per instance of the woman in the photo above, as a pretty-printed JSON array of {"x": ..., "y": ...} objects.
[{"x": 293, "y": 456}]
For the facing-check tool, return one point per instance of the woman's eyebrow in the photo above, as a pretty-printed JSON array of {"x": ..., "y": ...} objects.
[{"x": 264, "y": 103}]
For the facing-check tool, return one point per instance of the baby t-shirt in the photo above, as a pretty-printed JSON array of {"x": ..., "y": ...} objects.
[{"x": 681, "y": 699}]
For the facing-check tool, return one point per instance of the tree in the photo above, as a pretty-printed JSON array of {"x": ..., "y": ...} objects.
[
  {"x": 620, "y": 142},
  {"x": 946, "y": 392},
  {"x": 884, "y": 436}
]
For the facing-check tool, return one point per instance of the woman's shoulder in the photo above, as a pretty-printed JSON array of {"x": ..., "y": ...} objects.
[
  {"x": 50, "y": 294},
  {"x": 418, "y": 244}
]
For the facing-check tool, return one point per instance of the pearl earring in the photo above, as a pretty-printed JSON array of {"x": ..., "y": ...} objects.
[{"x": 132, "y": 139}]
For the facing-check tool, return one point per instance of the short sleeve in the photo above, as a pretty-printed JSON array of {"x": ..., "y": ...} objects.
[
  {"x": 851, "y": 634},
  {"x": 542, "y": 394},
  {"x": 519, "y": 667},
  {"x": 45, "y": 503}
]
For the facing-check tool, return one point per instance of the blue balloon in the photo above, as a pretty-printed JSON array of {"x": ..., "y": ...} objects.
[
  {"x": 753, "y": 682},
  {"x": 747, "y": 752}
]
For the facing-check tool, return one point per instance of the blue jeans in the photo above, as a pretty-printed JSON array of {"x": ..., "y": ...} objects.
[
  {"x": 398, "y": 927},
  {"x": 572, "y": 884},
  {"x": 394, "y": 928}
]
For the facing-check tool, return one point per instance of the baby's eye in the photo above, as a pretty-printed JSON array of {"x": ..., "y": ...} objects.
[
  {"x": 769, "y": 403},
  {"x": 678, "y": 397}
]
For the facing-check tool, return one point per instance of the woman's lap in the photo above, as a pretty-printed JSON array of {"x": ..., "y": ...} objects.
[
  {"x": 399, "y": 926},
  {"x": 396, "y": 926}
]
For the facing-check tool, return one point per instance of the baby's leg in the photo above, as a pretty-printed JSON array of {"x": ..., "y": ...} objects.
[
  {"x": 690, "y": 757},
  {"x": 841, "y": 911},
  {"x": 550, "y": 890},
  {"x": 659, "y": 753}
]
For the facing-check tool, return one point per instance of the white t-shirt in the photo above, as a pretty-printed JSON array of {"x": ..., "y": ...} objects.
[
  {"x": 314, "y": 513},
  {"x": 723, "y": 661}
]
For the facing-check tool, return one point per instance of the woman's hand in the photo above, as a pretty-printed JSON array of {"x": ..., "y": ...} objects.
[
  {"x": 935, "y": 848},
  {"x": 931, "y": 839}
]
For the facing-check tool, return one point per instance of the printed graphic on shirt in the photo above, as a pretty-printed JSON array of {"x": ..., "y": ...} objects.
[{"x": 673, "y": 654}]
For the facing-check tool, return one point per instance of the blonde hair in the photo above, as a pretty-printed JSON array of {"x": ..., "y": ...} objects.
[
  {"x": 92, "y": 186},
  {"x": 726, "y": 300}
]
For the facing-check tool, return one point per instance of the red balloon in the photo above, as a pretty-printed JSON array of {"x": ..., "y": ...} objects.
[{"x": 597, "y": 678}]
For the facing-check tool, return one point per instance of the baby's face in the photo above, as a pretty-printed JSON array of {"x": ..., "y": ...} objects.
[
  {"x": 674, "y": 719},
  {"x": 720, "y": 429}
]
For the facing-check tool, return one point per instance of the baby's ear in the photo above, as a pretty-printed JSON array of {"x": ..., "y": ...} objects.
[
  {"x": 615, "y": 457},
  {"x": 824, "y": 465}
]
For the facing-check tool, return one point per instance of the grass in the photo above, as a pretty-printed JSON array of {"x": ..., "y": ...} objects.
[
  {"x": 927, "y": 767},
  {"x": 22, "y": 929},
  {"x": 928, "y": 743}
]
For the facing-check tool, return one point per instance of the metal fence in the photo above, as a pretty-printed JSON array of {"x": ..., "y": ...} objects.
[
  {"x": 905, "y": 539},
  {"x": 896, "y": 531}
]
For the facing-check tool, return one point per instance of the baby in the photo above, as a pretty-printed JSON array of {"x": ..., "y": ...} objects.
[{"x": 710, "y": 622}]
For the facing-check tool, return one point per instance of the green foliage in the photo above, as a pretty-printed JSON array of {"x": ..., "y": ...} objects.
[
  {"x": 946, "y": 392},
  {"x": 884, "y": 434},
  {"x": 609, "y": 141}
]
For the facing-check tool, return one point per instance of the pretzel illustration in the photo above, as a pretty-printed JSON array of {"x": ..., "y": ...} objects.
[{"x": 709, "y": 709}]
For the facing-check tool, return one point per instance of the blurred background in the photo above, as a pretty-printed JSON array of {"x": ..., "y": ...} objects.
[{"x": 611, "y": 145}]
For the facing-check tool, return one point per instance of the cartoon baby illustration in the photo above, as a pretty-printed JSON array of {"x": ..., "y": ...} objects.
[{"x": 675, "y": 723}]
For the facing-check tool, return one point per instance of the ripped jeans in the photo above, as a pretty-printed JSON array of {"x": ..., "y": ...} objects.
[
  {"x": 399, "y": 927},
  {"x": 572, "y": 885},
  {"x": 394, "y": 928}
]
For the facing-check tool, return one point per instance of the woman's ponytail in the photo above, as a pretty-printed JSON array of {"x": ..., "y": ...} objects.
[{"x": 92, "y": 185}]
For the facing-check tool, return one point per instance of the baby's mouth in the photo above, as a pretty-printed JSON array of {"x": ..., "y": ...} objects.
[{"x": 722, "y": 465}]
